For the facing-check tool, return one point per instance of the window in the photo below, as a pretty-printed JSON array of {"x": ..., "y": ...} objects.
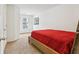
[
  {"x": 25, "y": 22},
  {"x": 36, "y": 21}
]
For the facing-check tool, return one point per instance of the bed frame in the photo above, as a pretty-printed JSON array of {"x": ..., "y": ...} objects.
[{"x": 42, "y": 47}]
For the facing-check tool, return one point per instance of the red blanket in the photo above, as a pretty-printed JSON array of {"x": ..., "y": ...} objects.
[{"x": 60, "y": 41}]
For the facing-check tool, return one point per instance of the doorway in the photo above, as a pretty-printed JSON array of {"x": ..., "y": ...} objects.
[{"x": 26, "y": 23}]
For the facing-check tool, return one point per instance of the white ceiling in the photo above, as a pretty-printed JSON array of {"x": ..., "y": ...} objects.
[{"x": 34, "y": 9}]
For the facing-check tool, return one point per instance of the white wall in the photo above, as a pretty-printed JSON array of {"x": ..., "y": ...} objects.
[
  {"x": 62, "y": 17},
  {"x": 12, "y": 23}
]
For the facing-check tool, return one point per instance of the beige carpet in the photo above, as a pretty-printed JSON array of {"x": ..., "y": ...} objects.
[{"x": 21, "y": 46}]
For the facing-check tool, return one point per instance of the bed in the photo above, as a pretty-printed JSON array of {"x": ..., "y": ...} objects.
[{"x": 52, "y": 41}]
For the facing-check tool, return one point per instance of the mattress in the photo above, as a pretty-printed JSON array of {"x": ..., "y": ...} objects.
[{"x": 60, "y": 41}]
